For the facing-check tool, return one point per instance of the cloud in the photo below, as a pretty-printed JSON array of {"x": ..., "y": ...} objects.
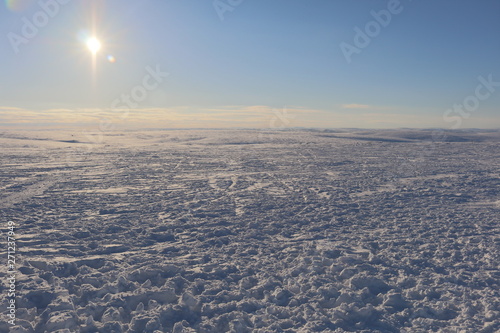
[
  {"x": 229, "y": 116},
  {"x": 9, "y": 108},
  {"x": 355, "y": 106},
  {"x": 255, "y": 116}
]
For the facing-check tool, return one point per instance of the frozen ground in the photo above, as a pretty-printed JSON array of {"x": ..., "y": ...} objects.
[{"x": 253, "y": 231}]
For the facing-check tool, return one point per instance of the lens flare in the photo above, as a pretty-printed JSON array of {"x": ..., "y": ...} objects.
[
  {"x": 111, "y": 59},
  {"x": 94, "y": 45},
  {"x": 83, "y": 36},
  {"x": 18, "y": 5}
]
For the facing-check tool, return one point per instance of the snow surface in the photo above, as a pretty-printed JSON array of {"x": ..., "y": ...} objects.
[{"x": 253, "y": 231}]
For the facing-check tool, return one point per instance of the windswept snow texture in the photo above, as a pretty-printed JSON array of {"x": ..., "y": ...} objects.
[{"x": 253, "y": 231}]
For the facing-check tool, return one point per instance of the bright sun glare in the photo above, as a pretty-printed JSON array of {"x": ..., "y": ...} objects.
[{"x": 94, "y": 45}]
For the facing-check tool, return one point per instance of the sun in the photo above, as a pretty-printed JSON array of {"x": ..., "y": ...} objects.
[{"x": 94, "y": 45}]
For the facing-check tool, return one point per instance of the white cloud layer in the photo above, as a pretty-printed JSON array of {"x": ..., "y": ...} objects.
[{"x": 256, "y": 116}]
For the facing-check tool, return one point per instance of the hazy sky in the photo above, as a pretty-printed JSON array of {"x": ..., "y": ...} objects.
[{"x": 251, "y": 63}]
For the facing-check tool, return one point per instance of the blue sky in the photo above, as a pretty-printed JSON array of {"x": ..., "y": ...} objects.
[{"x": 242, "y": 63}]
